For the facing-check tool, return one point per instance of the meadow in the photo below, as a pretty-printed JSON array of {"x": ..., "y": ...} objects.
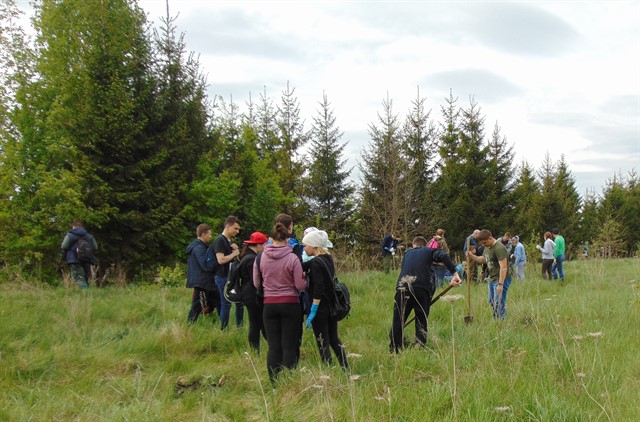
[{"x": 565, "y": 352}]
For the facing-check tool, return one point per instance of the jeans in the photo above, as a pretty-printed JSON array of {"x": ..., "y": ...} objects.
[
  {"x": 557, "y": 267},
  {"x": 439, "y": 271},
  {"x": 520, "y": 270},
  {"x": 225, "y": 306},
  {"x": 499, "y": 306}
]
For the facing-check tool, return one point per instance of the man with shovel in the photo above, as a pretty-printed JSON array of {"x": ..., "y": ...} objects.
[
  {"x": 415, "y": 289},
  {"x": 496, "y": 257}
]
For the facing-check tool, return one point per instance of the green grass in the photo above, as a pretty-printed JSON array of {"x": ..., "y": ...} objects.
[{"x": 565, "y": 352}]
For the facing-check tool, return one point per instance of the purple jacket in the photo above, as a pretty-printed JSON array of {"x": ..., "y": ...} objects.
[{"x": 282, "y": 275}]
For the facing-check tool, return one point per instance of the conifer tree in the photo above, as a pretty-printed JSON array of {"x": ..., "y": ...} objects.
[
  {"x": 525, "y": 202},
  {"x": 568, "y": 199},
  {"x": 499, "y": 188}
]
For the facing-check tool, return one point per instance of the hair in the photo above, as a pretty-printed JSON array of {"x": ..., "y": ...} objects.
[
  {"x": 284, "y": 219},
  {"x": 484, "y": 235},
  {"x": 202, "y": 229},
  {"x": 440, "y": 232},
  {"x": 419, "y": 241},
  {"x": 555, "y": 231},
  {"x": 507, "y": 234},
  {"x": 231, "y": 220},
  {"x": 76, "y": 223},
  {"x": 548, "y": 235},
  {"x": 280, "y": 233}
]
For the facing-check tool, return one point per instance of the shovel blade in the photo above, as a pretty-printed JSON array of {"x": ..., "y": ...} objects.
[{"x": 468, "y": 319}]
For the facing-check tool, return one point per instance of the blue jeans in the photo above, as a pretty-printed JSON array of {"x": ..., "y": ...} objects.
[
  {"x": 499, "y": 307},
  {"x": 557, "y": 267},
  {"x": 225, "y": 306}
]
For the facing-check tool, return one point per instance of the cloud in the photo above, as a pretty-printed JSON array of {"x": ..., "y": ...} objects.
[{"x": 485, "y": 86}]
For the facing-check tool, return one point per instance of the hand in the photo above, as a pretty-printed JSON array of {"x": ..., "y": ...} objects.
[
  {"x": 455, "y": 281},
  {"x": 312, "y": 314},
  {"x": 499, "y": 289},
  {"x": 234, "y": 246}
]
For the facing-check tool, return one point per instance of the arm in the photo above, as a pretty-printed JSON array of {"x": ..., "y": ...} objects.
[
  {"x": 200, "y": 253},
  {"x": 257, "y": 279},
  {"x": 66, "y": 243},
  {"x": 298, "y": 276},
  {"x": 218, "y": 247},
  {"x": 477, "y": 259},
  {"x": 504, "y": 268}
]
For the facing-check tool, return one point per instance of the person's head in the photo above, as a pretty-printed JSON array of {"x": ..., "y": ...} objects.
[
  {"x": 316, "y": 243},
  {"x": 514, "y": 240},
  {"x": 419, "y": 241},
  {"x": 203, "y": 231},
  {"x": 507, "y": 236},
  {"x": 231, "y": 226},
  {"x": 475, "y": 234},
  {"x": 440, "y": 232},
  {"x": 256, "y": 242},
  {"x": 280, "y": 233},
  {"x": 286, "y": 220},
  {"x": 548, "y": 235},
  {"x": 485, "y": 238},
  {"x": 76, "y": 223},
  {"x": 555, "y": 232}
]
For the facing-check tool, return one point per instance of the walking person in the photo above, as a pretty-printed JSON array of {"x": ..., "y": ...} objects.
[
  {"x": 200, "y": 275},
  {"x": 321, "y": 272},
  {"x": 79, "y": 266},
  {"x": 281, "y": 279},
  {"x": 547, "y": 255},
  {"x": 519, "y": 257},
  {"x": 225, "y": 252},
  {"x": 415, "y": 289},
  {"x": 558, "y": 255},
  {"x": 249, "y": 293},
  {"x": 389, "y": 246},
  {"x": 499, "y": 278}
]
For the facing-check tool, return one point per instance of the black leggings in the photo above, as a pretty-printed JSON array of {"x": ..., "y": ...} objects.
[
  {"x": 256, "y": 326},
  {"x": 546, "y": 268},
  {"x": 325, "y": 330},
  {"x": 282, "y": 324}
]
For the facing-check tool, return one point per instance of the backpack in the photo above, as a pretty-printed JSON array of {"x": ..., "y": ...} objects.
[
  {"x": 433, "y": 244},
  {"x": 232, "y": 288},
  {"x": 84, "y": 250},
  {"x": 341, "y": 305}
]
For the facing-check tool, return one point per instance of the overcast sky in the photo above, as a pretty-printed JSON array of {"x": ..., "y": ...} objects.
[{"x": 557, "y": 77}]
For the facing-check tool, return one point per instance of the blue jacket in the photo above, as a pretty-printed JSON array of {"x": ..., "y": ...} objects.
[
  {"x": 519, "y": 253},
  {"x": 69, "y": 242},
  {"x": 200, "y": 266},
  {"x": 388, "y": 243}
]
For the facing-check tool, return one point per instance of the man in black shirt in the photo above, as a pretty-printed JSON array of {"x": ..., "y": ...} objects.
[{"x": 225, "y": 252}]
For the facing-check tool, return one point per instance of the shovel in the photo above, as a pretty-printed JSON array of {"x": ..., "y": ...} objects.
[
  {"x": 468, "y": 319},
  {"x": 434, "y": 300}
]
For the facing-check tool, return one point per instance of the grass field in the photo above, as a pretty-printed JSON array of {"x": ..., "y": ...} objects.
[{"x": 565, "y": 352}]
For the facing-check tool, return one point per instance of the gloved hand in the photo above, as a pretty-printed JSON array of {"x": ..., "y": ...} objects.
[{"x": 312, "y": 314}]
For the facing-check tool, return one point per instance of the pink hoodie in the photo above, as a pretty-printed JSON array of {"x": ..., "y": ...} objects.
[{"x": 281, "y": 274}]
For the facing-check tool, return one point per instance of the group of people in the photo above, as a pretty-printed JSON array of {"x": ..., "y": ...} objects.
[
  {"x": 552, "y": 255},
  {"x": 281, "y": 281}
]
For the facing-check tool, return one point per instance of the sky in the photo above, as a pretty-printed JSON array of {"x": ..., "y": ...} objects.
[{"x": 559, "y": 77}]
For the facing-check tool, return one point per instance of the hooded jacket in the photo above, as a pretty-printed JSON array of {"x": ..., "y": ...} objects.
[
  {"x": 282, "y": 276},
  {"x": 200, "y": 266},
  {"x": 70, "y": 256}
]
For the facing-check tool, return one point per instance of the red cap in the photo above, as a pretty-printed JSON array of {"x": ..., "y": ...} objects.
[{"x": 256, "y": 238}]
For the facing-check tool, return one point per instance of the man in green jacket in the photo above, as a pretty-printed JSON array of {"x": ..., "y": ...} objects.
[{"x": 558, "y": 255}]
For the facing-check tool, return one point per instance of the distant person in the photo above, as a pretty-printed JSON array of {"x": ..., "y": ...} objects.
[
  {"x": 547, "y": 255},
  {"x": 415, "y": 289},
  {"x": 201, "y": 275},
  {"x": 472, "y": 271},
  {"x": 439, "y": 242},
  {"x": 79, "y": 263},
  {"x": 520, "y": 257},
  {"x": 389, "y": 247},
  {"x": 506, "y": 241},
  {"x": 321, "y": 272},
  {"x": 499, "y": 278},
  {"x": 585, "y": 250},
  {"x": 281, "y": 279},
  {"x": 253, "y": 246},
  {"x": 225, "y": 252},
  {"x": 558, "y": 255}
]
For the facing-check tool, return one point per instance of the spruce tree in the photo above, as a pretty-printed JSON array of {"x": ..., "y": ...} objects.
[{"x": 499, "y": 182}]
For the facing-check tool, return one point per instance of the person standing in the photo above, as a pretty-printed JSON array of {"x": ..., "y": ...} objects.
[
  {"x": 471, "y": 241},
  {"x": 439, "y": 242},
  {"x": 389, "y": 246},
  {"x": 249, "y": 294},
  {"x": 547, "y": 255},
  {"x": 225, "y": 252},
  {"x": 80, "y": 269},
  {"x": 499, "y": 278},
  {"x": 280, "y": 276},
  {"x": 558, "y": 254},
  {"x": 415, "y": 289},
  {"x": 200, "y": 275},
  {"x": 520, "y": 257},
  {"x": 321, "y": 273}
]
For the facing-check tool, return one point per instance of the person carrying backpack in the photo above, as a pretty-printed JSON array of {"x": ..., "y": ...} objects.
[
  {"x": 78, "y": 252},
  {"x": 321, "y": 270},
  {"x": 201, "y": 267}
]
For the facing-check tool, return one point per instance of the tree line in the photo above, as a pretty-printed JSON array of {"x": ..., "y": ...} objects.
[{"x": 106, "y": 119}]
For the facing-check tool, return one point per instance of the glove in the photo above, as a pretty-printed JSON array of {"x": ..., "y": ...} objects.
[{"x": 312, "y": 314}]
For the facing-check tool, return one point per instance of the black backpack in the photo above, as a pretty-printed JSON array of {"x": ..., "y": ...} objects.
[
  {"x": 341, "y": 305},
  {"x": 84, "y": 250}
]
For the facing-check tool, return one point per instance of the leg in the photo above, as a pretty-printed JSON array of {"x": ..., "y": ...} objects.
[
  {"x": 422, "y": 300},
  {"x": 502, "y": 309},
  {"x": 520, "y": 270},
  {"x": 397, "y": 329},
  {"x": 493, "y": 300},
  {"x": 386, "y": 262},
  {"x": 320, "y": 326},
  {"x": 559, "y": 261},
  {"x": 196, "y": 305},
  {"x": 336, "y": 344},
  {"x": 254, "y": 311},
  {"x": 292, "y": 316},
  {"x": 239, "y": 314},
  {"x": 272, "y": 321},
  {"x": 77, "y": 273},
  {"x": 225, "y": 305},
  {"x": 554, "y": 270}
]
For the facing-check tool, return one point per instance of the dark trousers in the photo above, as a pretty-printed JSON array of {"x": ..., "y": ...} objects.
[
  {"x": 202, "y": 301},
  {"x": 546, "y": 268},
  {"x": 256, "y": 325},
  {"x": 325, "y": 330},
  {"x": 282, "y": 324},
  {"x": 418, "y": 300},
  {"x": 81, "y": 274}
]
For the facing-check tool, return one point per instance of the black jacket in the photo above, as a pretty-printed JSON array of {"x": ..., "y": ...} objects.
[
  {"x": 417, "y": 262},
  {"x": 200, "y": 266}
]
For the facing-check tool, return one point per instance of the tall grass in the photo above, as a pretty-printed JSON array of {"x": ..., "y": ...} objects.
[{"x": 564, "y": 352}]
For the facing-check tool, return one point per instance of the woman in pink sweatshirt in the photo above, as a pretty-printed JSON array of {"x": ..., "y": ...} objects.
[{"x": 280, "y": 274}]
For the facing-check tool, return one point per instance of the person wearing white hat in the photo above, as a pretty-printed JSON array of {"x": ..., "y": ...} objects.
[{"x": 321, "y": 273}]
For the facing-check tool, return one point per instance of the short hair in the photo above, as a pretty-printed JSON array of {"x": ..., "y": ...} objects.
[
  {"x": 284, "y": 219},
  {"x": 231, "y": 220},
  {"x": 484, "y": 235},
  {"x": 202, "y": 229},
  {"x": 555, "y": 231},
  {"x": 280, "y": 232},
  {"x": 419, "y": 241}
]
